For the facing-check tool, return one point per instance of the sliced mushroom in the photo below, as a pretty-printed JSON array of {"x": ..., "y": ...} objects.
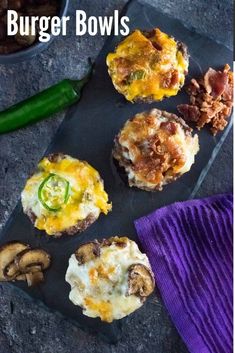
[
  {"x": 21, "y": 278},
  {"x": 119, "y": 241},
  {"x": 11, "y": 271},
  {"x": 87, "y": 252},
  {"x": 140, "y": 280},
  {"x": 29, "y": 258},
  {"x": 34, "y": 278},
  {"x": 8, "y": 252},
  {"x": 34, "y": 268}
]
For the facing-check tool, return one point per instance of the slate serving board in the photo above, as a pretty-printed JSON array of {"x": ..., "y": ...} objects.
[{"x": 87, "y": 133}]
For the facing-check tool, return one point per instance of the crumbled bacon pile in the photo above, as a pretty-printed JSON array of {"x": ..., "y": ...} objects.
[{"x": 211, "y": 99}]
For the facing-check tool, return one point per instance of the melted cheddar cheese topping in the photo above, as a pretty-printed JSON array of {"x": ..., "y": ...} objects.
[
  {"x": 147, "y": 67},
  {"x": 157, "y": 148},
  {"x": 100, "y": 286},
  {"x": 86, "y": 195}
]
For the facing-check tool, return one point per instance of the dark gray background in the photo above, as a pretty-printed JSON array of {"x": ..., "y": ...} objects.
[{"x": 24, "y": 327}]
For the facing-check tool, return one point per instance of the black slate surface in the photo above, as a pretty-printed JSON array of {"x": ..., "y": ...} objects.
[
  {"x": 105, "y": 109},
  {"x": 24, "y": 326}
]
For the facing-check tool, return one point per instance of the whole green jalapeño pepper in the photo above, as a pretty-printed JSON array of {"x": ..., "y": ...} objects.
[
  {"x": 53, "y": 192},
  {"x": 43, "y": 105}
]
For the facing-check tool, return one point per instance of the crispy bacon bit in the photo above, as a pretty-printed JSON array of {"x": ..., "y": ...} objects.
[
  {"x": 123, "y": 68},
  {"x": 170, "y": 126},
  {"x": 215, "y": 82},
  {"x": 156, "y": 157},
  {"x": 195, "y": 83},
  {"x": 170, "y": 79},
  {"x": 156, "y": 45},
  {"x": 211, "y": 99},
  {"x": 190, "y": 112},
  {"x": 228, "y": 92}
]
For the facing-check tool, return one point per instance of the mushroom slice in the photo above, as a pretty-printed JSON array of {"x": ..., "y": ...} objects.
[
  {"x": 140, "y": 280},
  {"x": 8, "y": 253},
  {"x": 34, "y": 278},
  {"x": 34, "y": 268},
  {"x": 29, "y": 258},
  {"x": 11, "y": 271},
  {"x": 119, "y": 241},
  {"x": 87, "y": 252},
  {"x": 21, "y": 277}
]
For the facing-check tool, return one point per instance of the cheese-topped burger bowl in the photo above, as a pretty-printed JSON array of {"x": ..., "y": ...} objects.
[
  {"x": 109, "y": 279},
  {"x": 64, "y": 196},
  {"x": 155, "y": 148},
  {"x": 148, "y": 66}
]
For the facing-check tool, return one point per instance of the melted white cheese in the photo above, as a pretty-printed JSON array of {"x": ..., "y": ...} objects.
[{"x": 100, "y": 286}]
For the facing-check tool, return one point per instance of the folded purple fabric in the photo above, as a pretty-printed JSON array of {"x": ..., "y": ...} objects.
[{"x": 189, "y": 245}]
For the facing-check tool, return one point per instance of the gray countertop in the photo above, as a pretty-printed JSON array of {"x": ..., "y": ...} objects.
[{"x": 25, "y": 327}]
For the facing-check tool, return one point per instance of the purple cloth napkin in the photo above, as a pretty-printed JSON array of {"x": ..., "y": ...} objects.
[{"x": 189, "y": 245}]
